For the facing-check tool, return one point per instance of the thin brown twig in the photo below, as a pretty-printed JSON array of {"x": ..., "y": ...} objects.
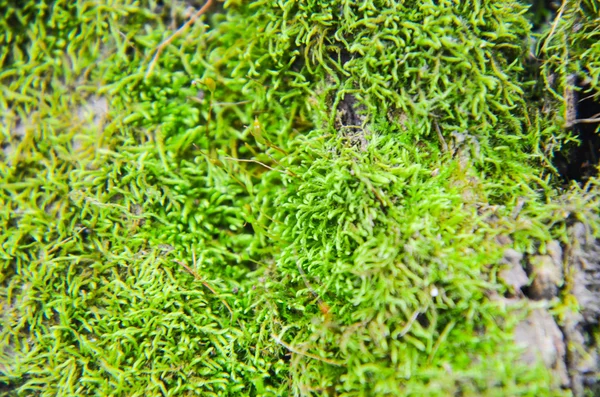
[
  {"x": 560, "y": 12},
  {"x": 231, "y": 103},
  {"x": 59, "y": 245},
  {"x": 409, "y": 323},
  {"x": 168, "y": 41},
  {"x": 205, "y": 283},
  {"x": 306, "y": 354},
  {"x": 269, "y": 144},
  {"x": 285, "y": 171},
  {"x": 441, "y": 137},
  {"x": 251, "y": 161},
  {"x": 263, "y": 164},
  {"x": 588, "y": 121},
  {"x": 66, "y": 240},
  {"x": 585, "y": 98}
]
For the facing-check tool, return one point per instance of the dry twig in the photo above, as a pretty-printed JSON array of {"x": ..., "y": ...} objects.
[
  {"x": 306, "y": 354},
  {"x": 206, "y": 284},
  {"x": 560, "y": 12},
  {"x": 168, "y": 41}
]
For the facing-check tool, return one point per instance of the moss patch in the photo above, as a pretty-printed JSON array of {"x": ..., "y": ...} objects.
[{"x": 302, "y": 198}]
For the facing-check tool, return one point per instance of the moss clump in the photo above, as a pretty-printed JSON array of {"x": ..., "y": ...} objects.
[
  {"x": 302, "y": 198},
  {"x": 570, "y": 50}
]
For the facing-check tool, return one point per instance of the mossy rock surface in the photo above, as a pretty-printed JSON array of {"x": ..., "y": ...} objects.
[{"x": 299, "y": 198}]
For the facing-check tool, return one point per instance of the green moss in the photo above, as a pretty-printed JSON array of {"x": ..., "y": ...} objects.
[
  {"x": 570, "y": 47},
  {"x": 356, "y": 259}
]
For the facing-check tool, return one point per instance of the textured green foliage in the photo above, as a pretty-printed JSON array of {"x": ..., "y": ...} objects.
[
  {"x": 382, "y": 242},
  {"x": 356, "y": 259},
  {"x": 420, "y": 57},
  {"x": 571, "y": 49}
]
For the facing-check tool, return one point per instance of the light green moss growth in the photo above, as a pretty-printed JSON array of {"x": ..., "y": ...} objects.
[{"x": 356, "y": 258}]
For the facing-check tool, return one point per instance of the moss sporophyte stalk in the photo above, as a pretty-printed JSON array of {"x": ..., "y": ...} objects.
[{"x": 298, "y": 198}]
